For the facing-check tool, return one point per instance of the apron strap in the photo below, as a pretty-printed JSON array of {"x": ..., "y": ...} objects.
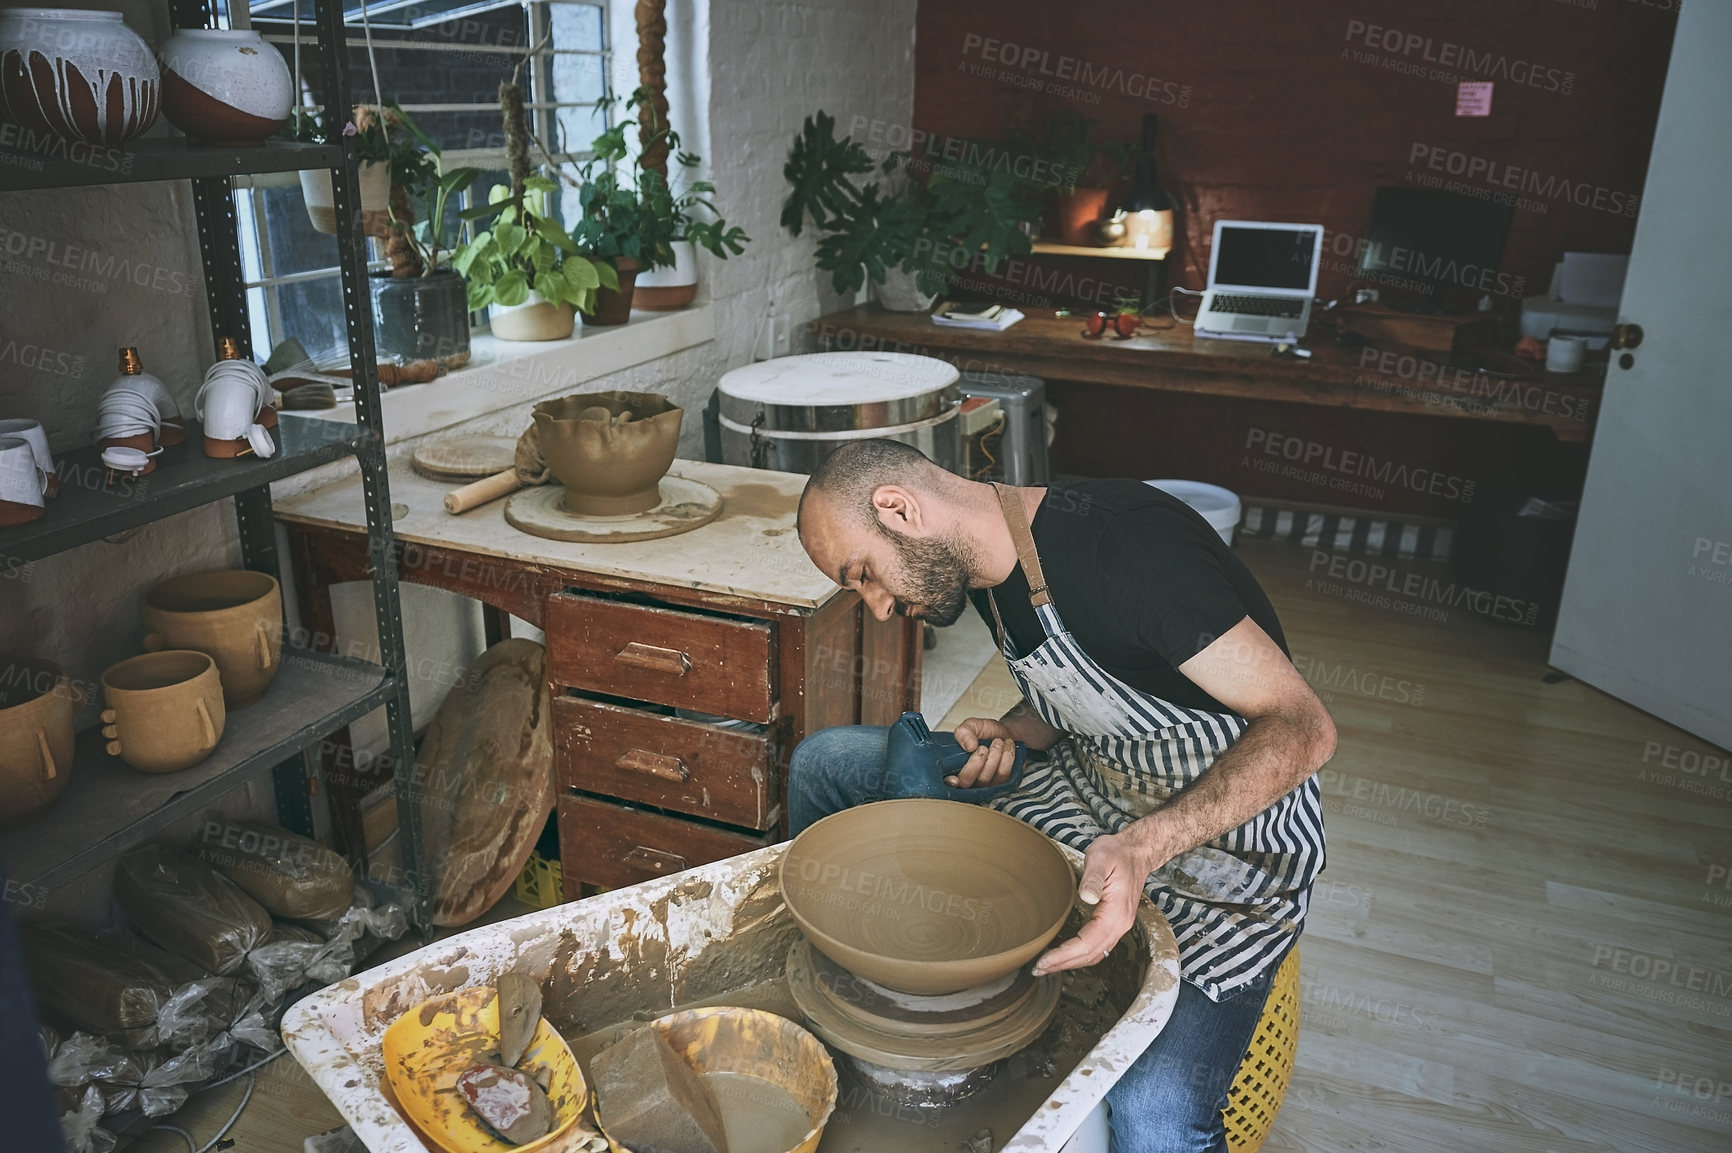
[{"x": 1017, "y": 520}]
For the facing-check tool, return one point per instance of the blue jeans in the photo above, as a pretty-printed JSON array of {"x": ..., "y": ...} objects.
[{"x": 1170, "y": 1100}]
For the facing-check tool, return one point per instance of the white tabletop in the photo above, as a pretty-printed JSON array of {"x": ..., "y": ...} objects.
[
  {"x": 829, "y": 378},
  {"x": 750, "y": 550}
]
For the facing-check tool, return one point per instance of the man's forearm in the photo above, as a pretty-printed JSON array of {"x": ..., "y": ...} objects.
[{"x": 1026, "y": 726}]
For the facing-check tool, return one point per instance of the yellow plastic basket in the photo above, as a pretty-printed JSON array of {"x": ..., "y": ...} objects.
[
  {"x": 1261, "y": 1083},
  {"x": 539, "y": 885}
]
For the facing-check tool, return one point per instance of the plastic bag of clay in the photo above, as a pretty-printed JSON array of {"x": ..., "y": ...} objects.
[
  {"x": 288, "y": 874},
  {"x": 200, "y": 1009},
  {"x": 79, "y": 1127},
  {"x": 186, "y": 906},
  {"x": 96, "y": 982},
  {"x": 83, "y": 1058},
  {"x": 164, "y": 1088}
]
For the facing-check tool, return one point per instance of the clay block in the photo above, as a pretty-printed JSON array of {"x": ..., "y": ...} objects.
[
  {"x": 510, "y": 1101},
  {"x": 650, "y": 1099}
]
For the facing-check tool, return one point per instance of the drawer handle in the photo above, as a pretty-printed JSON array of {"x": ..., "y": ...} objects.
[
  {"x": 644, "y": 857},
  {"x": 656, "y": 660},
  {"x": 654, "y": 765}
]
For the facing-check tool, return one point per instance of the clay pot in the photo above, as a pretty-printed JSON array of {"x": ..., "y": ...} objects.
[
  {"x": 665, "y": 289},
  {"x": 375, "y": 183},
  {"x": 534, "y": 319},
  {"x": 236, "y": 617},
  {"x": 77, "y": 74},
  {"x": 225, "y": 86},
  {"x": 615, "y": 307},
  {"x": 927, "y": 896},
  {"x": 35, "y": 738},
  {"x": 900, "y": 292},
  {"x": 609, "y": 467},
  {"x": 1078, "y": 210},
  {"x": 165, "y": 710}
]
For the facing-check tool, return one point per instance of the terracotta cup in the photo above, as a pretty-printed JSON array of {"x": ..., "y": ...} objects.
[
  {"x": 36, "y": 709},
  {"x": 236, "y": 617},
  {"x": 165, "y": 710}
]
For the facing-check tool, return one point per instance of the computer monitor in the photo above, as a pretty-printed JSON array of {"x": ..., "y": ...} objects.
[
  {"x": 1433, "y": 245},
  {"x": 1255, "y": 256}
]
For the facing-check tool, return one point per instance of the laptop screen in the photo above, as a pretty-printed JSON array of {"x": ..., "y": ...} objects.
[{"x": 1278, "y": 258}]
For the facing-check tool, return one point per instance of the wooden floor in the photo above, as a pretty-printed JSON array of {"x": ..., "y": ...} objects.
[{"x": 1523, "y": 939}]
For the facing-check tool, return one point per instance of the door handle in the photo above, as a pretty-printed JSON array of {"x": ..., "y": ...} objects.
[
  {"x": 1627, "y": 336},
  {"x": 653, "y": 764},
  {"x": 654, "y": 659},
  {"x": 644, "y": 857}
]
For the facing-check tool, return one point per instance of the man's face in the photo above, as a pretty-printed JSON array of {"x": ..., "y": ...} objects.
[{"x": 923, "y": 577}]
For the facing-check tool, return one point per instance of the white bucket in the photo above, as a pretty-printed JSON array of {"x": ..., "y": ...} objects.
[{"x": 1218, "y": 506}]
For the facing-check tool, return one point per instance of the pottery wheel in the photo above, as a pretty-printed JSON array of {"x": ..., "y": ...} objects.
[
  {"x": 966, "y": 1045},
  {"x": 462, "y": 458},
  {"x": 685, "y": 505},
  {"x": 913, "y": 1015}
]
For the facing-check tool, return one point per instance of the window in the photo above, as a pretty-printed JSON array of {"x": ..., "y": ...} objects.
[{"x": 442, "y": 61}]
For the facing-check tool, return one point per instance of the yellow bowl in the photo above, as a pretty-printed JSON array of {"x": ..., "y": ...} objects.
[{"x": 427, "y": 1047}]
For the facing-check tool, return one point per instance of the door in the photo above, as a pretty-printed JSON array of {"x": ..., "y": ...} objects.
[{"x": 1647, "y": 605}]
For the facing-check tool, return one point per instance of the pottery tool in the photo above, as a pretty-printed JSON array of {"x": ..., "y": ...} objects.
[
  {"x": 648, "y": 1097},
  {"x": 919, "y": 760},
  {"x": 307, "y": 394},
  {"x": 502, "y": 472},
  {"x": 462, "y": 458},
  {"x": 519, "y": 1015},
  {"x": 510, "y": 1101}
]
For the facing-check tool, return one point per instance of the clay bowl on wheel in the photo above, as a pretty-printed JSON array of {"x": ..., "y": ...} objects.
[
  {"x": 926, "y": 896},
  {"x": 235, "y": 616},
  {"x": 609, "y": 465}
]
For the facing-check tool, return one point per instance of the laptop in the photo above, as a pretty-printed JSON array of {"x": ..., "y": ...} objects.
[{"x": 1261, "y": 280}]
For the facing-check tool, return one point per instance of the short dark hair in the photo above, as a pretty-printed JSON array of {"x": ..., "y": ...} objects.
[{"x": 850, "y": 475}]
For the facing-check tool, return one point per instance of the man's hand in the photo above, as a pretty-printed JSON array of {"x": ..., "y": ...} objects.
[
  {"x": 1114, "y": 871},
  {"x": 994, "y": 752}
]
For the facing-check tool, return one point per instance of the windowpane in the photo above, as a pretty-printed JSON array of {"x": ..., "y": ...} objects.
[
  {"x": 311, "y": 311},
  {"x": 294, "y": 246}
]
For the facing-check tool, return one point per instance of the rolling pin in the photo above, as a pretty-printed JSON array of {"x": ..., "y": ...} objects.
[{"x": 479, "y": 492}]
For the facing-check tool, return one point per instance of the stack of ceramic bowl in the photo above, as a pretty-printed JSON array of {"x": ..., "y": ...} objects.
[
  {"x": 920, "y": 918},
  {"x": 27, "y": 476},
  {"x": 235, "y": 405}
]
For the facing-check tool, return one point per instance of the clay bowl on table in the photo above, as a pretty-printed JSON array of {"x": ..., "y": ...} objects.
[
  {"x": 609, "y": 449},
  {"x": 235, "y": 616},
  {"x": 164, "y": 711},
  {"x": 926, "y": 896},
  {"x": 36, "y": 709}
]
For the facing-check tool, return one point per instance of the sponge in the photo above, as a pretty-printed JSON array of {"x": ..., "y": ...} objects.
[{"x": 648, "y": 1097}]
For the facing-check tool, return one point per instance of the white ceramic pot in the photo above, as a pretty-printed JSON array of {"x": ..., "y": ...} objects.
[
  {"x": 375, "y": 178},
  {"x": 76, "y": 74},
  {"x": 899, "y": 293},
  {"x": 664, "y": 289},
  {"x": 225, "y": 87},
  {"x": 534, "y": 319}
]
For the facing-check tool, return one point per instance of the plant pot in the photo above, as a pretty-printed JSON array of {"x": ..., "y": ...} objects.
[
  {"x": 421, "y": 317},
  {"x": 535, "y": 319},
  {"x": 234, "y": 617},
  {"x": 609, "y": 468},
  {"x": 225, "y": 86},
  {"x": 78, "y": 75},
  {"x": 615, "y": 307},
  {"x": 164, "y": 711},
  {"x": 1078, "y": 210},
  {"x": 375, "y": 178},
  {"x": 901, "y": 293},
  {"x": 665, "y": 289},
  {"x": 35, "y": 738}
]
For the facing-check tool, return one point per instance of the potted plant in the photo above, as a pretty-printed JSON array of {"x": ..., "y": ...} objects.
[
  {"x": 524, "y": 269},
  {"x": 1085, "y": 171},
  {"x": 903, "y": 235},
  {"x": 372, "y": 149},
  {"x": 420, "y": 306}
]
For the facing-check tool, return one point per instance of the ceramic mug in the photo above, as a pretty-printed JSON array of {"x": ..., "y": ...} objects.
[
  {"x": 33, "y": 432},
  {"x": 36, "y": 708},
  {"x": 1565, "y": 353},
  {"x": 164, "y": 710},
  {"x": 235, "y": 617},
  {"x": 23, "y": 482}
]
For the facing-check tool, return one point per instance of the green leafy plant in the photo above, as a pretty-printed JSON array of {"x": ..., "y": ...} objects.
[
  {"x": 426, "y": 238},
  {"x": 392, "y": 137},
  {"x": 870, "y": 226}
]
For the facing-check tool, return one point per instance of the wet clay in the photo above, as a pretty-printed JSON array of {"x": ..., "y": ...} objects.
[
  {"x": 759, "y": 1116},
  {"x": 609, "y": 467}
]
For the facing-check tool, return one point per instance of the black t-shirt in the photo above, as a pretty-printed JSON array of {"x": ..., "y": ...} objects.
[{"x": 1141, "y": 581}]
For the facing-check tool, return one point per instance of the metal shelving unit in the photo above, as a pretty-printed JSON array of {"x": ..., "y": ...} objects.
[{"x": 109, "y": 807}]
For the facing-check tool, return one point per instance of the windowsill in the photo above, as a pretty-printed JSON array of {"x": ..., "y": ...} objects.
[{"x": 504, "y": 373}]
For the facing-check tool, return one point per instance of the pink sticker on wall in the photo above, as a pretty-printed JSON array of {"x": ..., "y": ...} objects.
[{"x": 1473, "y": 98}]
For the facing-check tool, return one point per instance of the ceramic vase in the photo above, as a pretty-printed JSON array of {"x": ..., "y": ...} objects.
[
  {"x": 421, "y": 317},
  {"x": 234, "y": 617},
  {"x": 375, "y": 181},
  {"x": 613, "y": 307},
  {"x": 164, "y": 711},
  {"x": 665, "y": 289},
  {"x": 79, "y": 75},
  {"x": 534, "y": 319},
  {"x": 609, "y": 463},
  {"x": 36, "y": 709},
  {"x": 225, "y": 86},
  {"x": 901, "y": 293}
]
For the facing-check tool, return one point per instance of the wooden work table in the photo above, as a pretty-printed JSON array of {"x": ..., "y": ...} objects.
[
  {"x": 1172, "y": 359},
  {"x": 730, "y": 624}
]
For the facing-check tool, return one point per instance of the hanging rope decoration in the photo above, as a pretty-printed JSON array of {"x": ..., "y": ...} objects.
[{"x": 652, "y": 35}]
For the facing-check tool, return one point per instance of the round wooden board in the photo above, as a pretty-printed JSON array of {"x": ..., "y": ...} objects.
[
  {"x": 461, "y": 458},
  {"x": 686, "y": 504},
  {"x": 488, "y": 788}
]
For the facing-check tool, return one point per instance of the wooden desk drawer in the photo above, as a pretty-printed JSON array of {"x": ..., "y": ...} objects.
[
  {"x": 613, "y": 846},
  {"x": 710, "y": 664},
  {"x": 720, "y": 774}
]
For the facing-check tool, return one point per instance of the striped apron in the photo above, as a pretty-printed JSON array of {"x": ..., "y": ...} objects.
[{"x": 1236, "y": 903}]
